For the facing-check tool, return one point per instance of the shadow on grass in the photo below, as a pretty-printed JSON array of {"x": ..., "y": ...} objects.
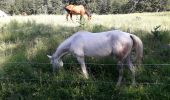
[{"x": 29, "y": 71}]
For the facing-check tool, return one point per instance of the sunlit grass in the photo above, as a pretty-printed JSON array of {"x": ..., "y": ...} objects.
[{"x": 136, "y": 21}]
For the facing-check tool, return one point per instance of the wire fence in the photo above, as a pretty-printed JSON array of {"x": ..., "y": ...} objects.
[
  {"x": 84, "y": 81},
  {"x": 41, "y": 63},
  {"x": 41, "y": 82}
]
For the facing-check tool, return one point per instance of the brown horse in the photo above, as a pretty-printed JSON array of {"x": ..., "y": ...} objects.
[{"x": 76, "y": 10}]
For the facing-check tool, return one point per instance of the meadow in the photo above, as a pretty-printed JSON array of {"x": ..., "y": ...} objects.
[{"x": 26, "y": 73}]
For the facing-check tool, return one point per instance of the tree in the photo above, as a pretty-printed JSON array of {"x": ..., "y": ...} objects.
[
  {"x": 5, "y": 5},
  {"x": 95, "y": 6},
  {"x": 56, "y": 6}
]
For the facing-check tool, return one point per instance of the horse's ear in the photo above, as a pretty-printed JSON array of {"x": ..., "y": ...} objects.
[{"x": 49, "y": 56}]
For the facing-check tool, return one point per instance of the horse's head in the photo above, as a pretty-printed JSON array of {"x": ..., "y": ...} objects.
[
  {"x": 56, "y": 63},
  {"x": 88, "y": 14}
]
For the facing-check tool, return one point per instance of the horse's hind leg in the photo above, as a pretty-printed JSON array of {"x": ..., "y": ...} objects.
[
  {"x": 132, "y": 69},
  {"x": 83, "y": 66},
  {"x": 120, "y": 66}
]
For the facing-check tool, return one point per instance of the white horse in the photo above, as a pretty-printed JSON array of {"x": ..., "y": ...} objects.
[{"x": 115, "y": 43}]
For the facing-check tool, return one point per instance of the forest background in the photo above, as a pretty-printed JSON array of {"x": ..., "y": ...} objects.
[{"x": 15, "y": 7}]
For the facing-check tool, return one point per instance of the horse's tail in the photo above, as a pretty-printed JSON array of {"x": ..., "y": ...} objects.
[{"x": 138, "y": 45}]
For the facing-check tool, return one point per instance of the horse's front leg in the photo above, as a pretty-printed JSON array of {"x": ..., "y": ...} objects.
[
  {"x": 120, "y": 66},
  {"x": 67, "y": 16},
  {"x": 71, "y": 15},
  {"x": 83, "y": 66},
  {"x": 81, "y": 16}
]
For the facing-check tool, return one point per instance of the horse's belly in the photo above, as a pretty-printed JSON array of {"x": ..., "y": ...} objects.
[{"x": 98, "y": 52}]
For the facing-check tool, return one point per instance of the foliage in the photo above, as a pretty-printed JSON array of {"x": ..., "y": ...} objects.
[{"x": 156, "y": 32}]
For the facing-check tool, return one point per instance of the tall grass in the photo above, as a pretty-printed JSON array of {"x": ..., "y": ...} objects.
[
  {"x": 26, "y": 72},
  {"x": 136, "y": 21}
]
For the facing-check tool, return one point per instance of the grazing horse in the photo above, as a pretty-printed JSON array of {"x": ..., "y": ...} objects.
[
  {"x": 76, "y": 10},
  {"x": 111, "y": 43}
]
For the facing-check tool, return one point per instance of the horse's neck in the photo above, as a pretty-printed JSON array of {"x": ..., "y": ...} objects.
[{"x": 62, "y": 49}]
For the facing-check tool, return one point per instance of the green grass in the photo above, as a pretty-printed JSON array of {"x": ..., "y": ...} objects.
[
  {"x": 135, "y": 21},
  {"x": 26, "y": 73}
]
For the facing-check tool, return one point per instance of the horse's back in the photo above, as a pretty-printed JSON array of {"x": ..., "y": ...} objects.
[
  {"x": 75, "y": 9},
  {"x": 89, "y": 44},
  {"x": 114, "y": 35},
  {"x": 99, "y": 44}
]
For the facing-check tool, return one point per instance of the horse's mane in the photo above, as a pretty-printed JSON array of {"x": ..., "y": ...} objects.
[
  {"x": 65, "y": 7},
  {"x": 68, "y": 11}
]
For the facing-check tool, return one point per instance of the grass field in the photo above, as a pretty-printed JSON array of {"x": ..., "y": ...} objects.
[
  {"x": 25, "y": 72},
  {"x": 136, "y": 21}
]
